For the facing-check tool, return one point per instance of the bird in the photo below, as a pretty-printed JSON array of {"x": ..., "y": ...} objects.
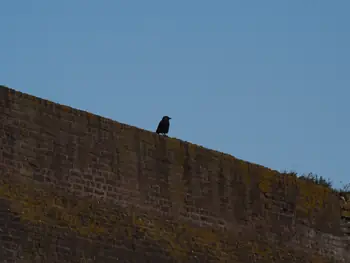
[{"x": 163, "y": 126}]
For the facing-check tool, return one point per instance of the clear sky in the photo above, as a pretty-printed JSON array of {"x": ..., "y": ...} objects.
[{"x": 266, "y": 81}]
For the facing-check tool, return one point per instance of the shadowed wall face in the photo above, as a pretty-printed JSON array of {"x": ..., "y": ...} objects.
[{"x": 76, "y": 187}]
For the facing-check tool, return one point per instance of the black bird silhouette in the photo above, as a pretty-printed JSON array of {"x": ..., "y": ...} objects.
[{"x": 163, "y": 126}]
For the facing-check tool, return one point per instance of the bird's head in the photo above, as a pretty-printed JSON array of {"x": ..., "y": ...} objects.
[{"x": 166, "y": 118}]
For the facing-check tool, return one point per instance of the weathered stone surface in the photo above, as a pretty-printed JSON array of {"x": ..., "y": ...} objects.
[{"x": 76, "y": 187}]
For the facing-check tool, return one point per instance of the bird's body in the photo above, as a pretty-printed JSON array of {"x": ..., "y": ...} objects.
[{"x": 163, "y": 126}]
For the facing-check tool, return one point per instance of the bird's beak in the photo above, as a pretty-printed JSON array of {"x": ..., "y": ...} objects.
[{"x": 169, "y": 118}]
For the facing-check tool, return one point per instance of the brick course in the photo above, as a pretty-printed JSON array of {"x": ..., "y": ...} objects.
[{"x": 76, "y": 187}]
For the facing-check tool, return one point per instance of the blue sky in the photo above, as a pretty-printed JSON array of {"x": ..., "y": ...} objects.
[{"x": 265, "y": 81}]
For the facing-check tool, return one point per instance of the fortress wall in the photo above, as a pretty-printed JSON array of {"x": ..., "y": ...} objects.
[{"x": 77, "y": 187}]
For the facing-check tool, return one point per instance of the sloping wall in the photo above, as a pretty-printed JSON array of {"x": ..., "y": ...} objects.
[{"x": 76, "y": 187}]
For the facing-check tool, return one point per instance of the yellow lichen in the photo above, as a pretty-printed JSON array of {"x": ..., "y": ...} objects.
[
  {"x": 178, "y": 238},
  {"x": 49, "y": 210},
  {"x": 243, "y": 171},
  {"x": 65, "y": 108},
  {"x": 263, "y": 251},
  {"x": 266, "y": 181},
  {"x": 311, "y": 196},
  {"x": 345, "y": 213}
]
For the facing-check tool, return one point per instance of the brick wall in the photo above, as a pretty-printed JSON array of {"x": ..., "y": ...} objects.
[{"x": 76, "y": 187}]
